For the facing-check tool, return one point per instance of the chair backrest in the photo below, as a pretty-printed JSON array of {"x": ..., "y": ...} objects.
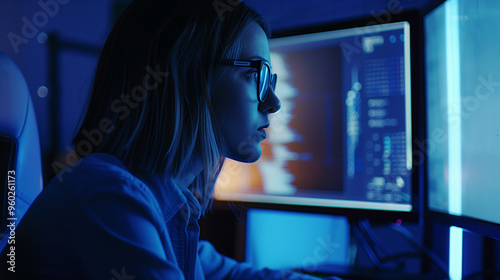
[{"x": 20, "y": 158}]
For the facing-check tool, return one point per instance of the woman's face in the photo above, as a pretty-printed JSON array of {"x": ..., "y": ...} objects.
[{"x": 240, "y": 116}]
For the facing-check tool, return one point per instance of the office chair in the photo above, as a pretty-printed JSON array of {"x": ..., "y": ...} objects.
[{"x": 20, "y": 158}]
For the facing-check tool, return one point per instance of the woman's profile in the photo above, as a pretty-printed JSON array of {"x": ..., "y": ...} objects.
[{"x": 179, "y": 87}]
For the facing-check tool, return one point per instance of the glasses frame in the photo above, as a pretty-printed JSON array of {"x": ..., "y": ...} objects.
[{"x": 257, "y": 64}]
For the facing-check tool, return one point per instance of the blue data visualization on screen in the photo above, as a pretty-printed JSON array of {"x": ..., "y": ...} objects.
[{"x": 343, "y": 135}]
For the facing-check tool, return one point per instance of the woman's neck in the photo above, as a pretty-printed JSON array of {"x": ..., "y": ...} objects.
[{"x": 186, "y": 178}]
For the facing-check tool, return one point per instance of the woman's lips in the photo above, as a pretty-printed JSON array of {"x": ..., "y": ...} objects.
[{"x": 262, "y": 132}]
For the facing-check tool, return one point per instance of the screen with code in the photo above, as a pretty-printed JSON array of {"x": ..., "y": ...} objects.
[{"x": 343, "y": 135}]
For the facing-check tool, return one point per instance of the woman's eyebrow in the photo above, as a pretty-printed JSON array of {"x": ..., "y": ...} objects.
[{"x": 256, "y": 57}]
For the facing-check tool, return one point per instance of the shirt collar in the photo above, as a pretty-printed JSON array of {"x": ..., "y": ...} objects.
[{"x": 170, "y": 197}]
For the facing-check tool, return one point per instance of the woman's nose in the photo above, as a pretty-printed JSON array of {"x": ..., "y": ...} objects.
[{"x": 272, "y": 104}]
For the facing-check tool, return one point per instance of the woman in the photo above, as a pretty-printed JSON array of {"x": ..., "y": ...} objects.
[{"x": 180, "y": 85}]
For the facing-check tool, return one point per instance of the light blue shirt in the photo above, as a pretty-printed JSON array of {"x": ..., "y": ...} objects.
[{"x": 98, "y": 221}]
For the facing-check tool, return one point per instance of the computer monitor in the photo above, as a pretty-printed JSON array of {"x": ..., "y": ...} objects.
[
  {"x": 463, "y": 116},
  {"x": 342, "y": 141}
]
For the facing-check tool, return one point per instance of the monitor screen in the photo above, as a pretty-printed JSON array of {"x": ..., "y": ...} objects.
[
  {"x": 343, "y": 135},
  {"x": 463, "y": 101}
]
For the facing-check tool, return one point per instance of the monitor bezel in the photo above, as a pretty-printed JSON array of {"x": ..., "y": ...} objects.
[{"x": 414, "y": 18}]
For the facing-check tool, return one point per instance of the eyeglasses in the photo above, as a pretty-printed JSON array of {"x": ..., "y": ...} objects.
[{"x": 266, "y": 80}]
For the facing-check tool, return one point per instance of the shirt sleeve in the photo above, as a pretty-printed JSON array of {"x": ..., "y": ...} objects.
[
  {"x": 216, "y": 266},
  {"x": 119, "y": 235}
]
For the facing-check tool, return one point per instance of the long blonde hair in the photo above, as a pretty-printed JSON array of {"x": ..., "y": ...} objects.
[{"x": 151, "y": 97}]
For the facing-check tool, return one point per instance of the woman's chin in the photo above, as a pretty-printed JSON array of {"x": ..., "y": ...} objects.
[{"x": 246, "y": 153}]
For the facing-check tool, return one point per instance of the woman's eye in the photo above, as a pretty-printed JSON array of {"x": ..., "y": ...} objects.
[{"x": 253, "y": 76}]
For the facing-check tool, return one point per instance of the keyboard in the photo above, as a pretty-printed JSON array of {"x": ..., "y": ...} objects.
[{"x": 362, "y": 273}]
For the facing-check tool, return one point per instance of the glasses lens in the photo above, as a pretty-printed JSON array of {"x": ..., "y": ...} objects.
[
  {"x": 264, "y": 82},
  {"x": 274, "y": 79}
]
